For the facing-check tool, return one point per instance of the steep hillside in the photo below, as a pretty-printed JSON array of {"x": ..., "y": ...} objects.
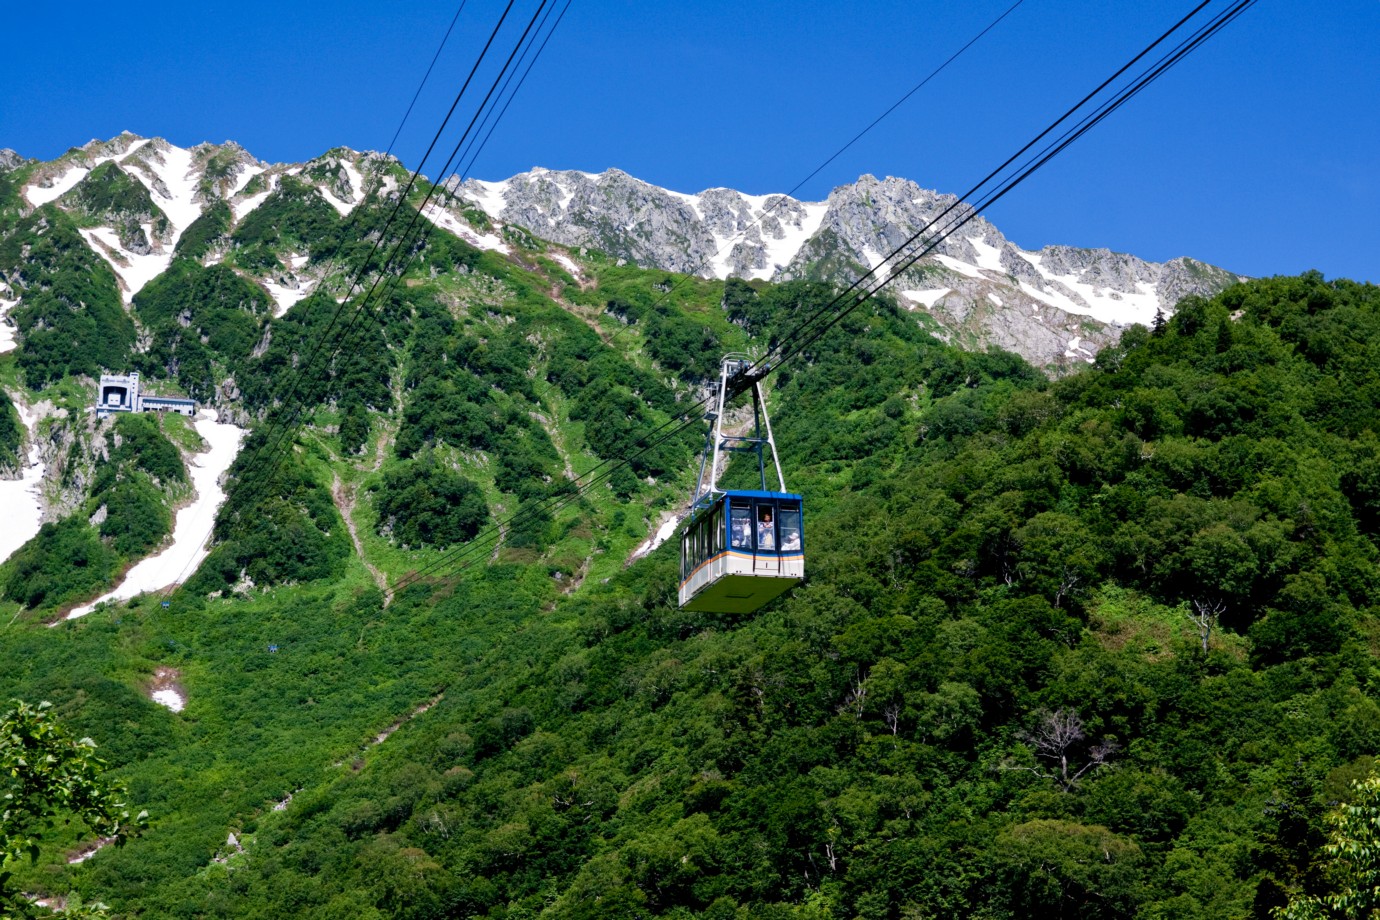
[
  {"x": 1157, "y": 571},
  {"x": 1100, "y": 646}
]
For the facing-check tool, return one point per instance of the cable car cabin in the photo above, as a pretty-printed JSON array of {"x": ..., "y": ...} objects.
[{"x": 742, "y": 550}]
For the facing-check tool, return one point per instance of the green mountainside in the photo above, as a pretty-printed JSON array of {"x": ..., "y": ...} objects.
[{"x": 1102, "y": 646}]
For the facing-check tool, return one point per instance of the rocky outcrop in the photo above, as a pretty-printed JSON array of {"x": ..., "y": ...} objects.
[{"x": 975, "y": 288}]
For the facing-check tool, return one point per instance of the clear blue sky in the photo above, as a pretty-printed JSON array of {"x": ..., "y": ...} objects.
[{"x": 1259, "y": 153}]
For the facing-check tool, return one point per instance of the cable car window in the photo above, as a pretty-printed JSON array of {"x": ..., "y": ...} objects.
[
  {"x": 766, "y": 529},
  {"x": 741, "y": 519},
  {"x": 789, "y": 526}
]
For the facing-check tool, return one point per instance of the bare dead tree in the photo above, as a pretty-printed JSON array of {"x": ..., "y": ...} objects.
[
  {"x": 1007, "y": 550},
  {"x": 856, "y": 698},
  {"x": 892, "y": 716},
  {"x": 1056, "y": 739},
  {"x": 1205, "y": 615},
  {"x": 1069, "y": 580}
]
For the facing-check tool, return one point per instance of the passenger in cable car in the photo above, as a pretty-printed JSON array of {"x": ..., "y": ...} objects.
[
  {"x": 790, "y": 532},
  {"x": 742, "y": 528},
  {"x": 766, "y": 533}
]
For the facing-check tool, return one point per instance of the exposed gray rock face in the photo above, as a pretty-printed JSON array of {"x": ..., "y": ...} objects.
[
  {"x": 718, "y": 232},
  {"x": 10, "y": 160},
  {"x": 222, "y": 168},
  {"x": 976, "y": 287}
]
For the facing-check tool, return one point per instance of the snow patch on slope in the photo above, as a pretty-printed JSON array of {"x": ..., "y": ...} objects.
[
  {"x": 356, "y": 190},
  {"x": 927, "y": 298},
  {"x": 963, "y": 268},
  {"x": 665, "y": 528},
  {"x": 284, "y": 295},
  {"x": 169, "y": 698},
  {"x": 193, "y": 524},
  {"x": 163, "y": 167},
  {"x": 63, "y": 184},
  {"x": 40, "y": 195},
  {"x": 988, "y": 256},
  {"x": 245, "y": 205},
  {"x": 447, "y": 221},
  {"x": 488, "y": 195},
  {"x": 21, "y": 500},
  {"x": 1076, "y": 349},
  {"x": 133, "y": 269},
  {"x": 568, "y": 264},
  {"x": 174, "y": 168},
  {"x": 356, "y": 184},
  {"x": 7, "y": 332},
  {"x": 781, "y": 251},
  {"x": 1103, "y": 304},
  {"x": 245, "y": 177}
]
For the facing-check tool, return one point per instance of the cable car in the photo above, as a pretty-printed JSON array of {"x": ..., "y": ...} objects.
[{"x": 741, "y": 548}]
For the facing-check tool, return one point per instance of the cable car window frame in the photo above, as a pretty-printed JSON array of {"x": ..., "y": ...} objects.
[
  {"x": 741, "y": 509},
  {"x": 795, "y": 528},
  {"x": 764, "y": 509},
  {"x": 717, "y": 521}
]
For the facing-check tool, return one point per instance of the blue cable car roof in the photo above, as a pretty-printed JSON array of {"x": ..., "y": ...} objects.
[
  {"x": 710, "y": 501},
  {"x": 758, "y": 493}
]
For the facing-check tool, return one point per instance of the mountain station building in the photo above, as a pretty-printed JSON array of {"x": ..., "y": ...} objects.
[{"x": 120, "y": 393}]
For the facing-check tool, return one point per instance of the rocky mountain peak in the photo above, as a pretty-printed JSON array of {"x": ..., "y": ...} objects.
[
  {"x": 976, "y": 287},
  {"x": 11, "y": 160}
]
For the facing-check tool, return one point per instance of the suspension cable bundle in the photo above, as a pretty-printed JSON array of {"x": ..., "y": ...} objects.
[{"x": 996, "y": 185}]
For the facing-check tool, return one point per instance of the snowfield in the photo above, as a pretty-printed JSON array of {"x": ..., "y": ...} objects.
[
  {"x": 40, "y": 195},
  {"x": 193, "y": 524},
  {"x": 448, "y": 221},
  {"x": 927, "y": 298},
  {"x": 21, "y": 500}
]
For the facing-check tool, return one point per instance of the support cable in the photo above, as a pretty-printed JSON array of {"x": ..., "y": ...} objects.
[{"x": 765, "y": 366}]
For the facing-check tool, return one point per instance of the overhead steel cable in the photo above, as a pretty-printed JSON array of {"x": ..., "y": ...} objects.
[
  {"x": 386, "y": 274},
  {"x": 255, "y": 462},
  {"x": 775, "y": 204},
  {"x": 404, "y": 242},
  {"x": 427, "y": 76},
  {"x": 960, "y": 201},
  {"x": 416, "y": 216},
  {"x": 905, "y": 261},
  {"x": 771, "y": 362},
  {"x": 953, "y": 57},
  {"x": 781, "y": 198},
  {"x": 464, "y": 174},
  {"x": 427, "y": 225},
  {"x": 305, "y": 366}
]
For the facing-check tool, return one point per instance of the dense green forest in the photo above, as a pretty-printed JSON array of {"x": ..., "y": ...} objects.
[
  {"x": 1096, "y": 646},
  {"x": 72, "y": 319}
]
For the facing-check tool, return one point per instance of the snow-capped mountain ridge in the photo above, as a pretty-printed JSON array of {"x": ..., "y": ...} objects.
[
  {"x": 181, "y": 184},
  {"x": 977, "y": 288},
  {"x": 1049, "y": 304}
]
